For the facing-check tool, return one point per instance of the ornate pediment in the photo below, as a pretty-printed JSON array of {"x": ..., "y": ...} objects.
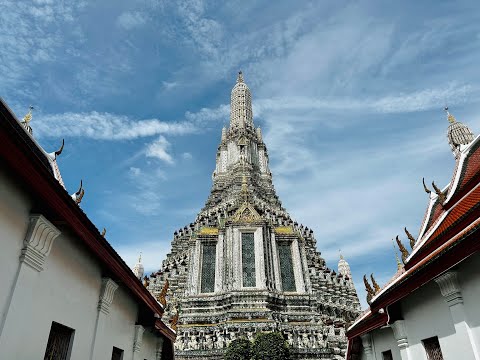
[{"x": 246, "y": 214}]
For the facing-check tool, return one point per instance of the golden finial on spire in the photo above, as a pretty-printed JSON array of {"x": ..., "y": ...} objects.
[
  {"x": 450, "y": 117},
  {"x": 240, "y": 77},
  {"x": 104, "y": 232},
  {"x": 399, "y": 264}
]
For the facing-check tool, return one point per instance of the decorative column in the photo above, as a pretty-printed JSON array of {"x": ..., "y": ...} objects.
[
  {"x": 368, "y": 347},
  {"x": 137, "y": 341},
  {"x": 450, "y": 289},
  {"x": 105, "y": 300},
  {"x": 297, "y": 267},
  {"x": 219, "y": 265},
  {"x": 400, "y": 334},
  {"x": 37, "y": 245},
  {"x": 276, "y": 263}
]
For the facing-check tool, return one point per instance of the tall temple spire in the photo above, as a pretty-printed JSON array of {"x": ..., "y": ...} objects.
[
  {"x": 241, "y": 115},
  {"x": 458, "y": 134}
]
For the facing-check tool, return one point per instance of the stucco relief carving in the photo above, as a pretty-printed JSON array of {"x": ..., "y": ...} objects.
[
  {"x": 400, "y": 333},
  {"x": 450, "y": 288},
  {"x": 38, "y": 241},
  {"x": 106, "y": 295}
]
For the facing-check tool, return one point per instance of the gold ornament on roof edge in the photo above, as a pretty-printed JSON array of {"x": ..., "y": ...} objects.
[
  {"x": 411, "y": 238},
  {"x": 403, "y": 250},
  {"x": 427, "y": 190},
  {"x": 440, "y": 194},
  {"x": 368, "y": 289},
  {"x": 162, "y": 296},
  {"x": 376, "y": 287},
  {"x": 174, "y": 322},
  {"x": 287, "y": 230},
  {"x": 208, "y": 231}
]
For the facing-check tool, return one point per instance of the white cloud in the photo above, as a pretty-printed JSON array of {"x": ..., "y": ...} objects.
[
  {"x": 134, "y": 171},
  {"x": 169, "y": 85},
  {"x": 129, "y": 20},
  {"x": 159, "y": 149},
  {"x": 187, "y": 156},
  {"x": 105, "y": 126}
]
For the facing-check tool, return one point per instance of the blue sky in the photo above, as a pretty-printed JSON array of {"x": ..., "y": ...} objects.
[{"x": 349, "y": 95}]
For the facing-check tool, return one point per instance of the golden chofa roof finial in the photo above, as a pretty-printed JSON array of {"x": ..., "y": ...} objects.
[
  {"x": 450, "y": 117},
  {"x": 26, "y": 120},
  {"x": 240, "y": 77}
]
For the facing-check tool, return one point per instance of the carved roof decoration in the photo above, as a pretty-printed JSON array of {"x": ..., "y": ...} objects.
[{"x": 246, "y": 214}]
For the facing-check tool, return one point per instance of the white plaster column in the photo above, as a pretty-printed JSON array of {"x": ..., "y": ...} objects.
[
  {"x": 261, "y": 279},
  {"x": 237, "y": 259},
  {"x": 368, "y": 347},
  {"x": 297, "y": 267},
  {"x": 450, "y": 289},
  {"x": 37, "y": 245},
  {"x": 276, "y": 266},
  {"x": 219, "y": 266},
  {"x": 308, "y": 284},
  {"x": 229, "y": 246},
  {"x": 400, "y": 334},
  {"x": 137, "y": 341},
  {"x": 197, "y": 270},
  {"x": 107, "y": 292}
]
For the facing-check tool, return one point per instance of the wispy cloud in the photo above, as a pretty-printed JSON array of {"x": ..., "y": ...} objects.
[
  {"x": 131, "y": 19},
  {"x": 159, "y": 149},
  {"x": 105, "y": 126}
]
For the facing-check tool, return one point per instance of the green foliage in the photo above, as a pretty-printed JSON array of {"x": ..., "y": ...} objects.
[
  {"x": 270, "y": 346},
  {"x": 239, "y": 349}
]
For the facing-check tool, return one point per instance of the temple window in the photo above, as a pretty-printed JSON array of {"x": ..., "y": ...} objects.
[
  {"x": 432, "y": 348},
  {"x": 117, "y": 354},
  {"x": 59, "y": 342},
  {"x": 248, "y": 260},
  {"x": 387, "y": 355},
  {"x": 208, "y": 267},
  {"x": 286, "y": 266}
]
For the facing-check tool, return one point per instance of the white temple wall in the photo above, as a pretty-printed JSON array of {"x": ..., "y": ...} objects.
[
  {"x": 66, "y": 291},
  {"x": 14, "y": 211},
  {"x": 469, "y": 279},
  {"x": 427, "y": 314},
  {"x": 383, "y": 340}
]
